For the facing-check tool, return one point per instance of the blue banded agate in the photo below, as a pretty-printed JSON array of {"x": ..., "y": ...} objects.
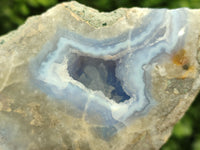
[{"x": 109, "y": 80}]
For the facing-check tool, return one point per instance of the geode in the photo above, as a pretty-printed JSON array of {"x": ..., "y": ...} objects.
[{"x": 80, "y": 79}]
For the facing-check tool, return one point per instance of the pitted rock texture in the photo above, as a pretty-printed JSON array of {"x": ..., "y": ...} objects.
[{"x": 73, "y": 78}]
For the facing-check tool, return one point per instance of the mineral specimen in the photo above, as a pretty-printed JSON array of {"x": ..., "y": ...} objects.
[{"x": 76, "y": 77}]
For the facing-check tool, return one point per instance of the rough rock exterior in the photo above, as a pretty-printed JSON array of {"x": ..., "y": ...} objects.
[{"x": 34, "y": 115}]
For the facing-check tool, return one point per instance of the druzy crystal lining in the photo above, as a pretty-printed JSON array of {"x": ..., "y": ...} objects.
[{"x": 108, "y": 80}]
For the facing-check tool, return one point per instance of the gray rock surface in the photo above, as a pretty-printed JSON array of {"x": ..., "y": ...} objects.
[{"x": 33, "y": 117}]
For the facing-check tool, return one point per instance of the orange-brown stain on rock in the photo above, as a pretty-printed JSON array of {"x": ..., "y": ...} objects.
[{"x": 181, "y": 59}]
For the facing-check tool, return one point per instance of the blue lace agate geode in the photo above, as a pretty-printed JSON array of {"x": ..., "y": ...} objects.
[{"x": 108, "y": 80}]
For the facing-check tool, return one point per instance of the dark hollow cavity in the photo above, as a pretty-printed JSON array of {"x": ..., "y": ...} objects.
[{"x": 98, "y": 75}]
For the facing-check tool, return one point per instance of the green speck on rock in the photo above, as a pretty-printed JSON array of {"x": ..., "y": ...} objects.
[
  {"x": 104, "y": 24},
  {"x": 2, "y": 42}
]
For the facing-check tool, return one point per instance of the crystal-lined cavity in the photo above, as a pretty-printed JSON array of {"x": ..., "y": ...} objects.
[{"x": 98, "y": 75}]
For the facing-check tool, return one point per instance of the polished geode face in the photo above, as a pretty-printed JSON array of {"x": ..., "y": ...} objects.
[{"x": 108, "y": 80}]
